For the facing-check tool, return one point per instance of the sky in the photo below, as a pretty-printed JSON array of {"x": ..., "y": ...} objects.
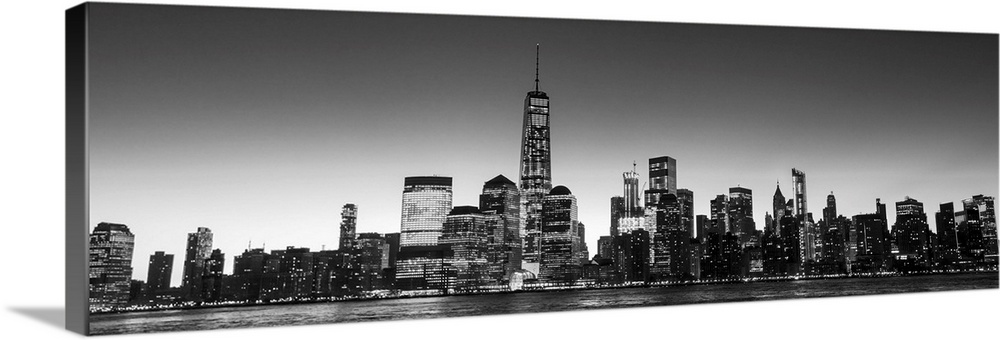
[{"x": 262, "y": 124}]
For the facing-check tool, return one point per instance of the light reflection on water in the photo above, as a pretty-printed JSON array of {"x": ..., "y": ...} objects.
[{"x": 450, "y": 306}]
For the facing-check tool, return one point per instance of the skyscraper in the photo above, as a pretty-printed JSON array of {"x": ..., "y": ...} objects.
[
  {"x": 426, "y": 203},
  {"x": 560, "y": 239},
  {"x": 719, "y": 215},
  {"x": 988, "y": 222},
  {"x": 161, "y": 266},
  {"x": 830, "y": 212},
  {"x": 617, "y": 212},
  {"x": 211, "y": 280},
  {"x": 778, "y": 205},
  {"x": 199, "y": 250},
  {"x": 662, "y": 178},
  {"x": 911, "y": 230},
  {"x": 799, "y": 192},
  {"x": 348, "y": 225},
  {"x": 873, "y": 246},
  {"x": 367, "y": 257},
  {"x": 248, "y": 271},
  {"x": 702, "y": 224},
  {"x": 392, "y": 244},
  {"x": 110, "y": 264},
  {"x": 671, "y": 240},
  {"x": 686, "y": 199},
  {"x": 535, "y": 169},
  {"x": 465, "y": 232},
  {"x": 808, "y": 235},
  {"x": 971, "y": 234},
  {"x": 631, "y": 255},
  {"x": 630, "y": 190},
  {"x": 633, "y": 216},
  {"x": 947, "y": 234},
  {"x": 501, "y": 197},
  {"x": 740, "y": 214}
]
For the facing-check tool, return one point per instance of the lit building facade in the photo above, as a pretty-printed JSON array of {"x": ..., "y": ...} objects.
[
  {"x": 671, "y": 257},
  {"x": 198, "y": 250},
  {"x": 465, "y": 232},
  {"x": 988, "y": 221},
  {"x": 424, "y": 268},
  {"x": 799, "y": 193},
  {"x": 211, "y": 280},
  {"x": 560, "y": 241},
  {"x": 719, "y": 215},
  {"x": 740, "y": 214},
  {"x": 873, "y": 250},
  {"x": 110, "y": 263},
  {"x": 912, "y": 232},
  {"x": 662, "y": 178},
  {"x": 535, "y": 170},
  {"x": 426, "y": 202},
  {"x": 800, "y": 211},
  {"x": 161, "y": 266},
  {"x": 631, "y": 256},
  {"x": 501, "y": 198},
  {"x": 348, "y": 225},
  {"x": 617, "y": 213},
  {"x": 368, "y": 261},
  {"x": 630, "y": 189},
  {"x": 685, "y": 198},
  {"x": 778, "y": 206}
]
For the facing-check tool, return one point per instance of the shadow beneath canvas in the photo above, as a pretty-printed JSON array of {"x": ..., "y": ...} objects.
[{"x": 53, "y": 316}]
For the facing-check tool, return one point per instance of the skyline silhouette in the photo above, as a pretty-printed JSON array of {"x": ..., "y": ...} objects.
[{"x": 263, "y": 131}]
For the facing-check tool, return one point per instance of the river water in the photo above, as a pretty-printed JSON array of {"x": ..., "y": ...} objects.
[{"x": 449, "y": 306}]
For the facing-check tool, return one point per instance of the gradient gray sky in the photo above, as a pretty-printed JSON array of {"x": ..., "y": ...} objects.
[{"x": 261, "y": 124}]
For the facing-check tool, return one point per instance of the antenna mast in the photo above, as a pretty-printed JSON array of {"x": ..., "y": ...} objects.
[{"x": 536, "y": 67}]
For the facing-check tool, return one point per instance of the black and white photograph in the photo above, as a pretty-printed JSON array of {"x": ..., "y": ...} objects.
[{"x": 247, "y": 167}]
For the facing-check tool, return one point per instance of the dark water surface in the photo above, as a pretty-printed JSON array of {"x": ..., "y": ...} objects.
[{"x": 449, "y": 306}]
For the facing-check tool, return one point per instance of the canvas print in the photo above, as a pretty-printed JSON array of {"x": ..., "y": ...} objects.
[{"x": 239, "y": 167}]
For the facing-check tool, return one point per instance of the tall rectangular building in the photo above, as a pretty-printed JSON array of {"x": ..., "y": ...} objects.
[
  {"x": 671, "y": 240},
  {"x": 426, "y": 203},
  {"x": 161, "y": 266},
  {"x": 465, "y": 232},
  {"x": 392, "y": 246},
  {"x": 799, "y": 193},
  {"x": 702, "y": 224},
  {"x": 617, "y": 213},
  {"x": 367, "y": 257},
  {"x": 971, "y": 235},
  {"x": 686, "y": 199},
  {"x": 502, "y": 199},
  {"x": 662, "y": 178},
  {"x": 199, "y": 250},
  {"x": 211, "y": 280},
  {"x": 560, "y": 239},
  {"x": 778, "y": 208},
  {"x": 912, "y": 233},
  {"x": 873, "y": 243},
  {"x": 110, "y": 263},
  {"x": 946, "y": 229},
  {"x": 348, "y": 225},
  {"x": 535, "y": 170},
  {"x": 630, "y": 192},
  {"x": 740, "y": 214},
  {"x": 988, "y": 222},
  {"x": 719, "y": 215}
]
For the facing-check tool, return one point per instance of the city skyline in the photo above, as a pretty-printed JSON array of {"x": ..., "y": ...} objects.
[{"x": 200, "y": 166}]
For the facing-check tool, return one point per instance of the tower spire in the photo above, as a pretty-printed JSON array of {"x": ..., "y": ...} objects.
[{"x": 536, "y": 67}]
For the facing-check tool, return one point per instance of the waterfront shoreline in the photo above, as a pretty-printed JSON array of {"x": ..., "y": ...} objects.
[{"x": 559, "y": 289}]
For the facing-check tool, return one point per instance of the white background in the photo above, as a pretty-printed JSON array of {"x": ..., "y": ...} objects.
[{"x": 32, "y": 191}]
